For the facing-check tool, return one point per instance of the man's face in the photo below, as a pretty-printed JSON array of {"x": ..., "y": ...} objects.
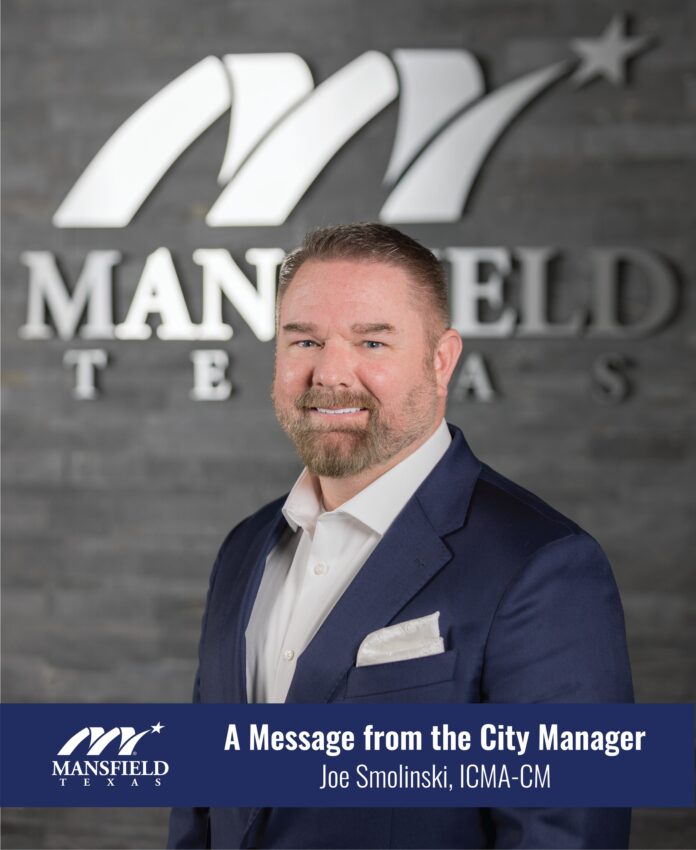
[{"x": 355, "y": 382}]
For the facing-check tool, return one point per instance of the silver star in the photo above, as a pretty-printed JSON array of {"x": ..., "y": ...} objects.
[
  {"x": 158, "y": 728},
  {"x": 607, "y": 55}
]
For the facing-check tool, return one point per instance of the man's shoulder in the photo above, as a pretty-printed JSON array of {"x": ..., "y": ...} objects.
[
  {"x": 516, "y": 518},
  {"x": 510, "y": 533},
  {"x": 464, "y": 496},
  {"x": 499, "y": 494}
]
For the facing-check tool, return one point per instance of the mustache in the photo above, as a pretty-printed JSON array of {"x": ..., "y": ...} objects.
[{"x": 318, "y": 397}]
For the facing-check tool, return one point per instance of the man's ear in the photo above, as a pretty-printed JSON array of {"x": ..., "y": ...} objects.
[{"x": 445, "y": 358}]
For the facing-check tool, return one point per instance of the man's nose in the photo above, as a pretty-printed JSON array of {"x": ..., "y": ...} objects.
[{"x": 333, "y": 366}]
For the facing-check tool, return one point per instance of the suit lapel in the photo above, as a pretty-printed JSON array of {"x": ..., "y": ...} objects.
[{"x": 408, "y": 556}]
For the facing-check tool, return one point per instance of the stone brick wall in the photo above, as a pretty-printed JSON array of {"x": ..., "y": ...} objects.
[{"x": 113, "y": 509}]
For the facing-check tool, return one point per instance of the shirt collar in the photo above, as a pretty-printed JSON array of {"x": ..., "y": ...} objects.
[
  {"x": 303, "y": 505},
  {"x": 378, "y": 505}
]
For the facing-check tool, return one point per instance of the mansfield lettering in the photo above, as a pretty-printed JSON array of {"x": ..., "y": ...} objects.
[
  {"x": 514, "y": 284},
  {"x": 496, "y": 293}
]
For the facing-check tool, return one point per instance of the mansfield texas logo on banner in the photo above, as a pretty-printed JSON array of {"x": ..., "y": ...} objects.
[
  {"x": 116, "y": 749},
  {"x": 284, "y": 131}
]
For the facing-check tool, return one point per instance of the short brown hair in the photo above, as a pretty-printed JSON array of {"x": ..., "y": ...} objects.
[{"x": 374, "y": 242}]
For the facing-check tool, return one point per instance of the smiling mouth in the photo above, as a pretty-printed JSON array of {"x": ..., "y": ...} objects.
[{"x": 338, "y": 411}]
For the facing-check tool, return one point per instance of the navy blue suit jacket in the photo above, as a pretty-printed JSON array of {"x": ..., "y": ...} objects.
[{"x": 529, "y": 612}]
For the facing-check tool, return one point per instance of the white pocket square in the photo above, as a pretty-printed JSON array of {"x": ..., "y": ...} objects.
[{"x": 412, "y": 639}]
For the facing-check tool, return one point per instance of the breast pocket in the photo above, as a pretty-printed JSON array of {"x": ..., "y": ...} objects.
[{"x": 414, "y": 673}]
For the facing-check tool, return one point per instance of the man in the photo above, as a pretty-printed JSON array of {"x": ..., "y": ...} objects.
[{"x": 399, "y": 568}]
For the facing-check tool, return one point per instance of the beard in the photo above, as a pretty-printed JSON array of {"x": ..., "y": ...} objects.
[{"x": 343, "y": 450}]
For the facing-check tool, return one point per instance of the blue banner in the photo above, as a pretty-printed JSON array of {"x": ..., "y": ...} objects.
[{"x": 347, "y": 755}]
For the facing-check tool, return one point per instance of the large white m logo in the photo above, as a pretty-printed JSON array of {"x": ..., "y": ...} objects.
[
  {"x": 284, "y": 131},
  {"x": 99, "y": 740}
]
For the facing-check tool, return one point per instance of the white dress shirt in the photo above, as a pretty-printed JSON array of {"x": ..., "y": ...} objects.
[{"x": 316, "y": 559}]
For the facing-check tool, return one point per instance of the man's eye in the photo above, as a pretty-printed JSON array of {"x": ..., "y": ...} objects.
[
  {"x": 372, "y": 343},
  {"x": 305, "y": 343}
]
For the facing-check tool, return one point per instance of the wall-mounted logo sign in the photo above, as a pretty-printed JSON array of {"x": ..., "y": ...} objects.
[{"x": 284, "y": 130}]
